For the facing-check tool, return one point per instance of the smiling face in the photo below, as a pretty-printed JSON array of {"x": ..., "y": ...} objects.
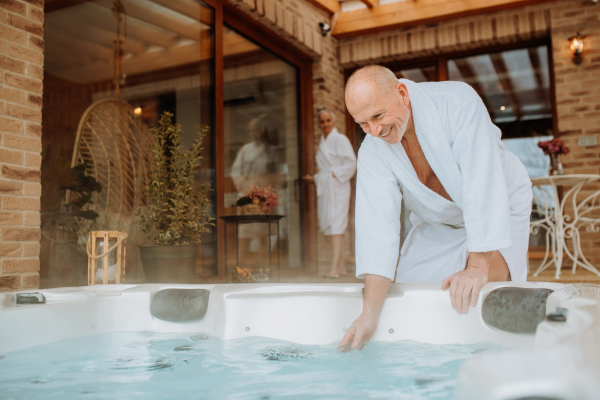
[
  {"x": 384, "y": 114},
  {"x": 326, "y": 122}
]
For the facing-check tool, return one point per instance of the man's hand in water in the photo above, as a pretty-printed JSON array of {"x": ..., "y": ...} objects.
[
  {"x": 363, "y": 329},
  {"x": 360, "y": 332},
  {"x": 466, "y": 284}
]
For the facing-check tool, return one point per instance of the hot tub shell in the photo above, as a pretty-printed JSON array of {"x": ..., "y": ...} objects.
[{"x": 563, "y": 354}]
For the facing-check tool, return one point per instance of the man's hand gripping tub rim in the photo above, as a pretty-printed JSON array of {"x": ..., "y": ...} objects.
[{"x": 465, "y": 285}]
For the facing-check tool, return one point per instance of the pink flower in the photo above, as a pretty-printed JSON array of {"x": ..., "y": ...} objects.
[
  {"x": 266, "y": 196},
  {"x": 554, "y": 146}
]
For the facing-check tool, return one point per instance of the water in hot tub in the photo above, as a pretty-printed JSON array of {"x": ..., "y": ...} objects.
[{"x": 183, "y": 366}]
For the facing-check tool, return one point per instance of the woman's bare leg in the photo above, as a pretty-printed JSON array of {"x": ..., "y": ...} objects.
[
  {"x": 336, "y": 245},
  {"x": 342, "y": 265},
  {"x": 498, "y": 271}
]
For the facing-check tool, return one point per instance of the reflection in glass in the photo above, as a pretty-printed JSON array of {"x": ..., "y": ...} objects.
[
  {"x": 423, "y": 74},
  {"x": 261, "y": 147},
  {"x": 167, "y": 65},
  {"x": 514, "y": 86}
]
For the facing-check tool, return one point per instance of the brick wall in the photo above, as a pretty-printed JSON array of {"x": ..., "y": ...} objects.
[
  {"x": 578, "y": 97},
  {"x": 21, "y": 74},
  {"x": 510, "y": 26}
]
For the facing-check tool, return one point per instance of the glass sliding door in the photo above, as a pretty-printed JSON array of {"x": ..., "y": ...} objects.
[
  {"x": 167, "y": 65},
  {"x": 261, "y": 148}
]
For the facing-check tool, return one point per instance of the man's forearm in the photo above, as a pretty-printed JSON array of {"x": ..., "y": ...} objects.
[
  {"x": 376, "y": 288},
  {"x": 480, "y": 261}
]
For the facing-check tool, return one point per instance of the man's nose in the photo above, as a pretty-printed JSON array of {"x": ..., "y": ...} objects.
[{"x": 375, "y": 129}]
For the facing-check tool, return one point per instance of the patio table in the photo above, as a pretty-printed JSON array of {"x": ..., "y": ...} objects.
[{"x": 560, "y": 225}]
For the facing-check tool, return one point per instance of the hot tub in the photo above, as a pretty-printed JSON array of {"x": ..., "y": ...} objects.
[{"x": 559, "y": 358}]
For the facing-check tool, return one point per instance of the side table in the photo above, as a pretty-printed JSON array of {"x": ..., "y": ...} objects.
[
  {"x": 560, "y": 226},
  {"x": 249, "y": 219}
]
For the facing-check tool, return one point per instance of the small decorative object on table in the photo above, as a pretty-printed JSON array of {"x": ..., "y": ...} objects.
[
  {"x": 113, "y": 259},
  {"x": 257, "y": 201},
  {"x": 256, "y": 273},
  {"x": 554, "y": 148}
]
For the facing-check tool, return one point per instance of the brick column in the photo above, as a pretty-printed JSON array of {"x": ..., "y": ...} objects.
[{"x": 21, "y": 75}]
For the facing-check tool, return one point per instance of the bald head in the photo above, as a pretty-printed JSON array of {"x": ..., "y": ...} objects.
[
  {"x": 379, "y": 103},
  {"x": 369, "y": 78}
]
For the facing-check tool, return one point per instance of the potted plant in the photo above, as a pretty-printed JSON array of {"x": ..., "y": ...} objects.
[
  {"x": 554, "y": 148},
  {"x": 257, "y": 201},
  {"x": 175, "y": 218}
]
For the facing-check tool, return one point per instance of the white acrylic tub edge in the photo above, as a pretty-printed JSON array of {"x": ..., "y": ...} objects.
[
  {"x": 301, "y": 313},
  {"x": 319, "y": 314},
  {"x": 564, "y": 363}
]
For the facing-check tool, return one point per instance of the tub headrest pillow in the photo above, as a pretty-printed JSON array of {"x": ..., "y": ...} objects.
[
  {"x": 179, "y": 305},
  {"x": 516, "y": 310}
]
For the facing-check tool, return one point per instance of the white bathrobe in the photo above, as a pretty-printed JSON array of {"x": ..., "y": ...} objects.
[
  {"x": 489, "y": 186},
  {"x": 335, "y": 155}
]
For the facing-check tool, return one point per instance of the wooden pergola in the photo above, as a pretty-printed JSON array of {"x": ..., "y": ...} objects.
[{"x": 351, "y": 18}]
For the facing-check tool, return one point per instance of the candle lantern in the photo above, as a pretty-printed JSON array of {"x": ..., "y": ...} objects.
[{"x": 108, "y": 247}]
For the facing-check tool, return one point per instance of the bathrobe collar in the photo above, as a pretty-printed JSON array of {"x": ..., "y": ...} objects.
[{"x": 433, "y": 140}]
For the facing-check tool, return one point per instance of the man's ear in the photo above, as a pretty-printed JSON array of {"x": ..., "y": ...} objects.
[{"x": 402, "y": 91}]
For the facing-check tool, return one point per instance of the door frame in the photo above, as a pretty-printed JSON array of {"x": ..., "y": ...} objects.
[{"x": 226, "y": 13}]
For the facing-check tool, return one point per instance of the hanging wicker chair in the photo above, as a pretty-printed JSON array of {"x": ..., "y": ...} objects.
[{"x": 117, "y": 149}]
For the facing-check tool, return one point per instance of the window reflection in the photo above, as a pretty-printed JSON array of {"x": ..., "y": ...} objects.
[
  {"x": 261, "y": 147},
  {"x": 514, "y": 86},
  {"x": 167, "y": 65},
  {"x": 423, "y": 74}
]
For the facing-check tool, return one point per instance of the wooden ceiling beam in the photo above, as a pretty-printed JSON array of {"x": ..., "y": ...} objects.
[
  {"x": 101, "y": 17},
  {"x": 536, "y": 66},
  {"x": 331, "y": 6},
  {"x": 469, "y": 76},
  {"x": 188, "y": 8},
  {"x": 413, "y": 12},
  {"x": 156, "y": 15},
  {"x": 370, "y": 3},
  {"x": 506, "y": 82},
  {"x": 99, "y": 69}
]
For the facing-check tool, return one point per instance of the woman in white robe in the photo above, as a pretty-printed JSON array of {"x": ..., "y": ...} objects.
[{"x": 337, "y": 165}]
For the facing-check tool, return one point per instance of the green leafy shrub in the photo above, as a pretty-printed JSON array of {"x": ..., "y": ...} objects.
[{"x": 174, "y": 215}]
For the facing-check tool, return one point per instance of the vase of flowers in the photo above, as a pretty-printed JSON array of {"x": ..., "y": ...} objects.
[
  {"x": 554, "y": 148},
  {"x": 257, "y": 201}
]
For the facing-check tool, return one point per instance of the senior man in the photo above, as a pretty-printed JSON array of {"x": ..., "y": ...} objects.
[{"x": 433, "y": 146}]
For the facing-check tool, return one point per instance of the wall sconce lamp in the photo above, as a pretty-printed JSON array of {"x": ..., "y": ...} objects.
[{"x": 577, "y": 47}]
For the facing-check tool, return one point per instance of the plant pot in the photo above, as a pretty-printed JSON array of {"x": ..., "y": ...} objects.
[
  {"x": 169, "y": 264},
  {"x": 251, "y": 209}
]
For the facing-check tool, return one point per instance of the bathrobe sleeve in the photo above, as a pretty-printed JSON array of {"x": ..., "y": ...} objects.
[
  {"x": 236, "y": 170},
  {"x": 377, "y": 215},
  {"x": 346, "y": 169},
  {"x": 476, "y": 149}
]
